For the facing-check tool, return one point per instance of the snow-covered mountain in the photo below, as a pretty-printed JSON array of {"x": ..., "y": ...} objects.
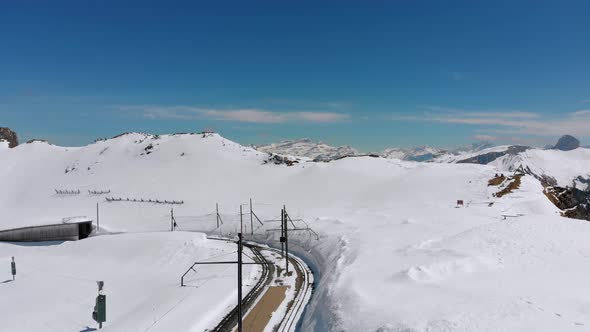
[
  {"x": 480, "y": 156},
  {"x": 431, "y": 154},
  {"x": 563, "y": 167},
  {"x": 567, "y": 168},
  {"x": 424, "y": 153},
  {"x": 389, "y": 230},
  {"x": 307, "y": 148},
  {"x": 319, "y": 151}
]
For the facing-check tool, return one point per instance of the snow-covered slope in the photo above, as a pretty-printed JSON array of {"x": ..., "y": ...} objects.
[
  {"x": 307, "y": 148},
  {"x": 55, "y": 284},
  {"x": 568, "y": 168},
  {"x": 395, "y": 254},
  {"x": 134, "y": 166}
]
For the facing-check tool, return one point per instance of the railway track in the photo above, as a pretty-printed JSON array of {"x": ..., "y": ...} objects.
[
  {"x": 303, "y": 292},
  {"x": 228, "y": 322},
  {"x": 295, "y": 308}
]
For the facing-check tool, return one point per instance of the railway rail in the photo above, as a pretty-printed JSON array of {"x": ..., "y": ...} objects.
[
  {"x": 304, "y": 288},
  {"x": 230, "y": 320}
]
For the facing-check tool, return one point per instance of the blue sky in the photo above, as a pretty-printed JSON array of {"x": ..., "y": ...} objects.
[{"x": 370, "y": 74}]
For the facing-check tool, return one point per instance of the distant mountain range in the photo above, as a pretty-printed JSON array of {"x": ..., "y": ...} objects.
[
  {"x": 548, "y": 164},
  {"x": 319, "y": 151},
  {"x": 307, "y": 148},
  {"x": 479, "y": 152}
]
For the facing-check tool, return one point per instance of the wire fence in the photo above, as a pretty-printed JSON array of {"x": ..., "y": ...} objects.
[
  {"x": 248, "y": 222},
  {"x": 99, "y": 192},
  {"x": 67, "y": 191},
  {"x": 143, "y": 200}
]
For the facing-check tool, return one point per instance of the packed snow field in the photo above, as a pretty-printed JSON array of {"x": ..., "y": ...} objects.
[
  {"x": 395, "y": 253},
  {"x": 55, "y": 284}
]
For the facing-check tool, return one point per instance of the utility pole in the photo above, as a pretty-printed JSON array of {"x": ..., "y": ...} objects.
[
  {"x": 97, "y": 222},
  {"x": 282, "y": 237},
  {"x": 13, "y": 268},
  {"x": 251, "y": 223},
  {"x": 172, "y": 220},
  {"x": 286, "y": 240},
  {"x": 240, "y": 263},
  {"x": 217, "y": 213},
  {"x": 241, "y": 220},
  {"x": 240, "y": 281}
]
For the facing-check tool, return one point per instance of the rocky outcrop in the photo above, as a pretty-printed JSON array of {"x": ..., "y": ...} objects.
[
  {"x": 567, "y": 143},
  {"x": 37, "y": 140},
  {"x": 8, "y": 135},
  {"x": 280, "y": 160},
  {"x": 573, "y": 202}
]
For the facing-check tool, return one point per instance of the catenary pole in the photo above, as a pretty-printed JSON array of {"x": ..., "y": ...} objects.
[
  {"x": 286, "y": 240},
  {"x": 239, "y": 262},
  {"x": 282, "y": 234},
  {"x": 251, "y": 223},
  {"x": 239, "y": 282},
  {"x": 97, "y": 222},
  {"x": 171, "y": 220},
  {"x": 217, "y": 213}
]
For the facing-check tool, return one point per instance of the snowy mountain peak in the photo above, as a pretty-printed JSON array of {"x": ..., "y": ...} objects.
[
  {"x": 423, "y": 153},
  {"x": 307, "y": 148},
  {"x": 567, "y": 143}
]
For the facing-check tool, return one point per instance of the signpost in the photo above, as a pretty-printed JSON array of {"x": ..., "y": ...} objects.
[{"x": 100, "y": 308}]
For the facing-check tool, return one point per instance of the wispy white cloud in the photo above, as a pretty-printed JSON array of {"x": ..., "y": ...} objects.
[
  {"x": 509, "y": 122},
  {"x": 585, "y": 114},
  {"x": 238, "y": 115},
  {"x": 319, "y": 116},
  {"x": 486, "y": 138},
  {"x": 517, "y": 114},
  {"x": 299, "y": 105},
  {"x": 515, "y": 139},
  {"x": 245, "y": 115}
]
